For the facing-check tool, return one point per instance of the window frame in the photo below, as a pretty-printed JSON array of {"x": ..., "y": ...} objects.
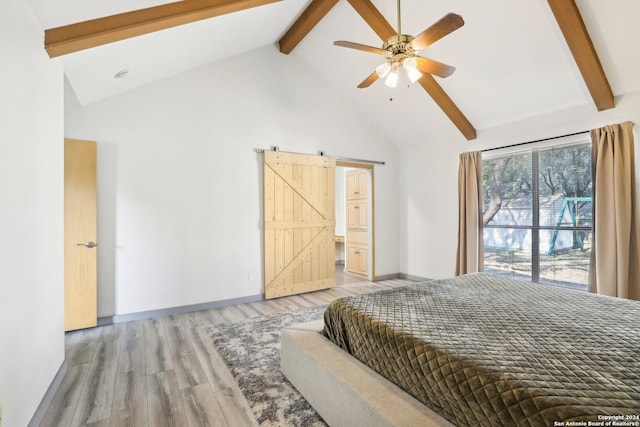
[{"x": 535, "y": 228}]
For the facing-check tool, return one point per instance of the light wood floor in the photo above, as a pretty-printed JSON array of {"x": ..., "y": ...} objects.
[{"x": 161, "y": 372}]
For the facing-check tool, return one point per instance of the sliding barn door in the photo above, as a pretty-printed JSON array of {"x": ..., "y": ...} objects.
[{"x": 299, "y": 223}]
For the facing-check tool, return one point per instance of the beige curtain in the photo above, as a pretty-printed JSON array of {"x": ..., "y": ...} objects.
[
  {"x": 615, "y": 267},
  {"x": 470, "y": 255}
]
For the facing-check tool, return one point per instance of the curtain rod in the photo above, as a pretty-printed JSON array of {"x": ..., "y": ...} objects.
[
  {"x": 323, "y": 154},
  {"x": 537, "y": 140}
]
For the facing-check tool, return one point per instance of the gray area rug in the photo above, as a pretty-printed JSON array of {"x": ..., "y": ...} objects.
[{"x": 251, "y": 349}]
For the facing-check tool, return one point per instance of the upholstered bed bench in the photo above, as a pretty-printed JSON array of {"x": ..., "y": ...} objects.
[{"x": 341, "y": 389}]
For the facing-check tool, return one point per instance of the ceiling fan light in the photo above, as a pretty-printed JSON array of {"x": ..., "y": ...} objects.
[
  {"x": 414, "y": 75},
  {"x": 392, "y": 79},
  {"x": 410, "y": 63},
  {"x": 383, "y": 69},
  {"x": 411, "y": 66}
]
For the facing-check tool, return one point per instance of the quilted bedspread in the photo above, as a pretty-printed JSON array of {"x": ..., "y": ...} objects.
[{"x": 494, "y": 351}]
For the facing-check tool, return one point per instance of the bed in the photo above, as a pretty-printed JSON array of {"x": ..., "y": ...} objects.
[{"x": 472, "y": 350}]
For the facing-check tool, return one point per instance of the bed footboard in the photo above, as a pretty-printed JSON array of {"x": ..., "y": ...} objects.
[{"x": 341, "y": 389}]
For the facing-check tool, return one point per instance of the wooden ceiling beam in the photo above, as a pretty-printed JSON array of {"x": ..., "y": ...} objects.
[
  {"x": 575, "y": 33},
  {"x": 305, "y": 23},
  {"x": 384, "y": 30},
  {"x": 374, "y": 18},
  {"x": 441, "y": 98},
  {"x": 97, "y": 32}
]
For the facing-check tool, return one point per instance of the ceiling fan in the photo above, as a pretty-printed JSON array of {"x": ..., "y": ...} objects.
[{"x": 401, "y": 50}]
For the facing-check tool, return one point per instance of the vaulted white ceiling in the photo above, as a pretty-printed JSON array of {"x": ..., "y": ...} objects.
[{"x": 511, "y": 59}]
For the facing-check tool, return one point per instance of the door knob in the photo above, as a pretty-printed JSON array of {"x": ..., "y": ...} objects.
[{"x": 88, "y": 245}]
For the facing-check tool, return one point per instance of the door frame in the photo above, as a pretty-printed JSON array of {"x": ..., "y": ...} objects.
[{"x": 372, "y": 229}]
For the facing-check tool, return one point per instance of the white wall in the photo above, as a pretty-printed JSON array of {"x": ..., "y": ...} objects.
[
  {"x": 31, "y": 214},
  {"x": 429, "y": 176},
  {"x": 179, "y": 183}
]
